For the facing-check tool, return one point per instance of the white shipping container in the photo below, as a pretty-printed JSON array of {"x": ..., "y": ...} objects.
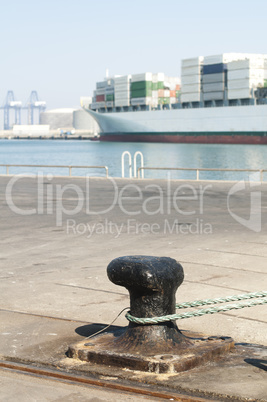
[
  {"x": 213, "y": 87},
  {"x": 190, "y": 88},
  {"x": 125, "y": 79},
  {"x": 212, "y": 78},
  {"x": 142, "y": 77},
  {"x": 192, "y": 97},
  {"x": 141, "y": 101},
  {"x": 191, "y": 70},
  {"x": 245, "y": 83},
  {"x": 121, "y": 97},
  {"x": 223, "y": 58},
  {"x": 109, "y": 104},
  {"x": 101, "y": 84},
  {"x": 245, "y": 73},
  {"x": 209, "y": 96},
  {"x": 122, "y": 94},
  {"x": 247, "y": 63},
  {"x": 191, "y": 79},
  {"x": 243, "y": 93},
  {"x": 101, "y": 91},
  {"x": 155, "y": 94},
  {"x": 122, "y": 87},
  {"x": 173, "y": 100},
  {"x": 158, "y": 77},
  {"x": 173, "y": 81},
  {"x": 122, "y": 102},
  {"x": 123, "y": 91},
  {"x": 195, "y": 61}
]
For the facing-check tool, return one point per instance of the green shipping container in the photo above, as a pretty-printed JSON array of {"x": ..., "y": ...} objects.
[
  {"x": 160, "y": 85},
  {"x": 141, "y": 85},
  {"x": 141, "y": 93},
  {"x": 109, "y": 97},
  {"x": 265, "y": 83},
  {"x": 163, "y": 101},
  {"x": 154, "y": 86},
  {"x": 177, "y": 93}
]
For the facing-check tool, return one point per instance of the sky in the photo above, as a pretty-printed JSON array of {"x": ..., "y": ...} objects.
[{"x": 61, "y": 48}]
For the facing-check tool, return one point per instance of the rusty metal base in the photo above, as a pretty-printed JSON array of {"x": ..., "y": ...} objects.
[{"x": 101, "y": 350}]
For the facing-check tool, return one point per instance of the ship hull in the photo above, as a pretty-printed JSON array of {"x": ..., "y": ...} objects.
[
  {"x": 218, "y": 125},
  {"x": 209, "y": 138}
]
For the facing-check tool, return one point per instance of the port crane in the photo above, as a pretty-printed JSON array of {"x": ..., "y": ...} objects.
[
  {"x": 34, "y": 104},
  {"x": 10, "y": 103}
]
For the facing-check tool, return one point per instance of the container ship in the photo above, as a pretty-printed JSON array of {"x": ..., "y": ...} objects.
[{"x": 219, "y": 99}]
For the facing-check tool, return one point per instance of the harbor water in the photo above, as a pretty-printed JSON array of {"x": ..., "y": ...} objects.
[{"x": 88, "y": 153}]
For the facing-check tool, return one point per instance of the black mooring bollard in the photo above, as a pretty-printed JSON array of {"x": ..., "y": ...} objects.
[
  {"x": 160, "y": 347},
  {"x": 152, "y": 283}
]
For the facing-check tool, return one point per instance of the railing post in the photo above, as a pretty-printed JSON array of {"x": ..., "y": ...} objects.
[
  {"x": 7, "y": 170},
  {"x": 106, "y": 171},
  {"x": 130, "y": 163},
  {"x": 142, "y": 163},
  {"x": 197, "y": 175},
  {"x": 261, "y": 175},
  {"x": 70, "y": 171}
]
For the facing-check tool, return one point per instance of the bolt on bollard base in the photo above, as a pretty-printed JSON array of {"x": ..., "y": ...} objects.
[{"x": 158, "y": 348}]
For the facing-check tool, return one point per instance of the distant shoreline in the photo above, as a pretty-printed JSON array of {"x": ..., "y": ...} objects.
[{"x": 52, "y": 135}]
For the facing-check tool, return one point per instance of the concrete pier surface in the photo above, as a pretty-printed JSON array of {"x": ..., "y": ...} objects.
[{"x": 58, "y": 236}]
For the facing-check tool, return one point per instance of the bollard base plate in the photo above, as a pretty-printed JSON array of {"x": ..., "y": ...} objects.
[{"x": 100, "y": 350}]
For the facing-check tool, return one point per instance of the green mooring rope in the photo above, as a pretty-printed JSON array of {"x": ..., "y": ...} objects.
[
  {"x": 222, "y": 299},
  {"x": 212, "y": 310}
]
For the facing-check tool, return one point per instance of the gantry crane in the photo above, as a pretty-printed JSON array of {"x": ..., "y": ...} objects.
[
  {"x": 32, "y": 104},
  {"x": 11, "y": 103}
]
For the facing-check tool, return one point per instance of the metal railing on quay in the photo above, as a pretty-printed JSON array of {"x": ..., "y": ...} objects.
[
  {"x": 7, "y": 166},
  {"x": 197, "y": 170}
]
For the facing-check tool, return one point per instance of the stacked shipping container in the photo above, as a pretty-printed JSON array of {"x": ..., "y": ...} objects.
[
  {"x": 145, "y": 89},
  {"x": 122, "y": 91},
  {"x": 141, "y": 89},
  {"x": 154, "y": 89},
  {"x": 214, "y": 77},
  {"x": 191, "y": 79},
  {"x": 238, "y": 72},
  {"x": 244, "y": 76},
  {"x": 103, "y": 96}
]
